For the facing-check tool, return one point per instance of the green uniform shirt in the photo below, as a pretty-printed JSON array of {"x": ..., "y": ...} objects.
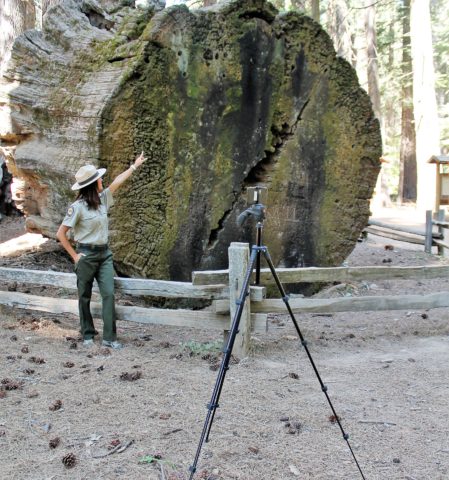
[{"x": 90, "y": 226}]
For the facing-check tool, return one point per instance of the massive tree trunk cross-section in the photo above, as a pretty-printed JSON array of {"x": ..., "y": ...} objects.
[{"x": 219, "y": 98}]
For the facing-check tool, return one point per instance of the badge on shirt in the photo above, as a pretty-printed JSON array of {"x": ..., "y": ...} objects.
[{"x": 70, "y": 211}]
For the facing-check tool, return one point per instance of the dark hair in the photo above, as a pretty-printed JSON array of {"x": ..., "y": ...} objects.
[{"x": 90, "y": 195}]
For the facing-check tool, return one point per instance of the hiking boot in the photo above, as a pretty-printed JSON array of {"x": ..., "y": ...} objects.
[
  {"x": 88, "y": 342},
  {"x": 115, "y": 345}
]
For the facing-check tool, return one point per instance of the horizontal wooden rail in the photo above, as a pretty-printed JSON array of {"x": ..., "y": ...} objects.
[
  {"x": 440, "y": 243},
  {"x": 427, "y": 237},
  {"x": 330, "y": 274},
  {"x": 398, "y": 228},
  {"x": 345, "y": 304},
  {"x": 130, "y": 286},
  {"x": 180, "y": 318},
  {"x": 440, "y": 223},
  {"x": 393, "y": 235},
  {"x": 214, "y": 288},
  {"x": 212, "y": 284},
  {"x": 218, "y": 320},
  {"x": 356, "y": 304}
]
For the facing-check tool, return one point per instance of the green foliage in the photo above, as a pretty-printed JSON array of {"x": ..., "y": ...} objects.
[
  {"x": 199, "y": 348},
  {"x": 155, "y": 459}
]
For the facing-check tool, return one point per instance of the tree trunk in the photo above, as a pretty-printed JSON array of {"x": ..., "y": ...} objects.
[
  {"x": 16, "y": 16},
  {"x": 407, "y": 171},
  {"x": 316, "y": 10},
  {"x": 424, "y": 102},
  {"x": 339, "y": 29},
  {"x": 298, "y": 5},
  {"x": 372, "y": 67},
  {"x": 382, "y": 191},
  {"x": 7, "y": 205},
  {"x": 389, "y": 107}
]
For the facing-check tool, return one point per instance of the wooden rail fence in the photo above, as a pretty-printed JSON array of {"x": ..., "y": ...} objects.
[
  {"x": 222, "y": 289},
  {"x": 427, "y": 237}
]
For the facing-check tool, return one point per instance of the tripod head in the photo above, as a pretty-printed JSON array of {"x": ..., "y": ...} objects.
[{"x": 256, "y": 209}]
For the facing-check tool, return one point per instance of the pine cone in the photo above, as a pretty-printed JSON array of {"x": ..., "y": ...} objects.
[
  {"x": 69, "y": 460},
  {"x": 37, "y": 360},
  {"x": 8, "y": 384},
  {"x": 54, "y": 442},
  {"x": 131, "y": 377},
  {"x": 56, "y": 405}
]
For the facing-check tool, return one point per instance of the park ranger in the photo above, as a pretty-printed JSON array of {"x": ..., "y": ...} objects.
[{"x": 87, "y": 218}]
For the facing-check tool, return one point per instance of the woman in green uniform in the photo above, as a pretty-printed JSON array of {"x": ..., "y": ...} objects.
[{"x": 87, "y": 217}]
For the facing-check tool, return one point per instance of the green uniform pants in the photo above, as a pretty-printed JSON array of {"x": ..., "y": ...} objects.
[{"x": 96, "y": 265}]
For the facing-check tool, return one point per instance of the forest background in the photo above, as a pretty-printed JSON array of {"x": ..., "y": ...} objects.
[{"x": 400, "y": 51}]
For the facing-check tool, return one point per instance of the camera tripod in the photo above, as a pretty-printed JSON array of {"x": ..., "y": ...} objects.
[{"x": 258, "y": 211}]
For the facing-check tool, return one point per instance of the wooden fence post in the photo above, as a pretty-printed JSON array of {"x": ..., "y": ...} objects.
[
  {"x": 441, "y": 230},
  {"x": 428, "y": 239},
  {"x": 238, "y": 264}
]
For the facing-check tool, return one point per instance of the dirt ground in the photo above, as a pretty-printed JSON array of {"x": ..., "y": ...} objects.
[{"x": 137, "y": 413}]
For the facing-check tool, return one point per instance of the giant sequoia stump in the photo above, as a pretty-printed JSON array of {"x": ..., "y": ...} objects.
[{"x": 220, "y": 99}]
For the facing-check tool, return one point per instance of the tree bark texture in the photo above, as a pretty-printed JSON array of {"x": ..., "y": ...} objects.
[
  {"x": 47, "y": 4},
  {"x": 339, "y": 29},
  {"x": 7, "y": 206},
  {"x": 16, "y": 16},
  {"x": 424, "y": 102},
  {"x": 372, "y": 75},
  {"x": 407, "y": 160},
  {"x": 316, "y": 10},
  {"x": 373, "y": 69},
  {"x": 219, "y": 99}
]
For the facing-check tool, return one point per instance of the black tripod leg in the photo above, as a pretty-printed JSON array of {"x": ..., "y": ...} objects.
[
  {"x": 224, "y": 366},
  {"x": 306, "y": 348}
]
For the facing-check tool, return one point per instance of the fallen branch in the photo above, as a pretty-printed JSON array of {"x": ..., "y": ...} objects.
[
  {"x": 377, "y": 422},
  {"x": 172, "y": 431},
  {"x": 118, "y": 449}
]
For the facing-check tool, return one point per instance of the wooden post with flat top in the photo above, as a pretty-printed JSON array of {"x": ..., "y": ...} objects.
[
  {"x": 441, "y": 231},
  {"x": 238, "y": 264},
  {"x": 428, "y": 237}
]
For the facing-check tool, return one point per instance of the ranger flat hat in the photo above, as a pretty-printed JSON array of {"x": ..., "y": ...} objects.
[{"x": 86, "y": 175}]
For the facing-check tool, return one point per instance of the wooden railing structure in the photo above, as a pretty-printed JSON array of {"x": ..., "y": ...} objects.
[
  {"x": 427, "y": 237},
  {"x": 222, "y": 288}
]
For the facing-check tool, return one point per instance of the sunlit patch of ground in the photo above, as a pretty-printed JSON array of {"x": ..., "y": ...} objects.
[
  {"x": 18, "y": 245},
  {"x": 15, "y": 240}
]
